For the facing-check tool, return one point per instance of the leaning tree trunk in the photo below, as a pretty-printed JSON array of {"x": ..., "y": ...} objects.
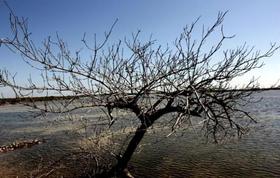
[{"x": 121, "y": 168}]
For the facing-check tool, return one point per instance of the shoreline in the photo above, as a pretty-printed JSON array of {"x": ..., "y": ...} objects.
[{"x": 12, "y": 101}]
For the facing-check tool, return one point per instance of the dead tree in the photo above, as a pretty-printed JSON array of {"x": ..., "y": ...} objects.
[{"x": 191, "y": 79}]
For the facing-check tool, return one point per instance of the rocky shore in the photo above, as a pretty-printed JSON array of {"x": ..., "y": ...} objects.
[{"x": 19, "y": 145}]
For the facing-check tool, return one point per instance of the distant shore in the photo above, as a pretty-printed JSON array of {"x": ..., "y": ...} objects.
[{"x": 4, "y": 101}]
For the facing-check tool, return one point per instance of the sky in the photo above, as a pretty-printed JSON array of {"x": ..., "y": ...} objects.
[{"x": 255, "y": 22}]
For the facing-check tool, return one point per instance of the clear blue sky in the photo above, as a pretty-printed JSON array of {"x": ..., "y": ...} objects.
[{"x": 253, "y": 21}]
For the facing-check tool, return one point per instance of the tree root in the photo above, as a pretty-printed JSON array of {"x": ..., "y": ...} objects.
[{"x": 127, "y": 174}]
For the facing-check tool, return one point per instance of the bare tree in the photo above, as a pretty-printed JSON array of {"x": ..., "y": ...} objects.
[{"x": 190, "y": 79}]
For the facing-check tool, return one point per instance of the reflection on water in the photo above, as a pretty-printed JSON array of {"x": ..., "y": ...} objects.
[{"x": 256, "y": 155}]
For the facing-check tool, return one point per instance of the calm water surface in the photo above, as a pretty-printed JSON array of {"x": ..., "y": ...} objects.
[{"x": 255, "y": 155}]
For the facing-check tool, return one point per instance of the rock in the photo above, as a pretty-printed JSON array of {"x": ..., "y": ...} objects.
[{"x": 20, "y": 145}]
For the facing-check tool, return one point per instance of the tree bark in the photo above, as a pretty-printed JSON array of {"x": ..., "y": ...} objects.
[{"x": 121, "y": 167}]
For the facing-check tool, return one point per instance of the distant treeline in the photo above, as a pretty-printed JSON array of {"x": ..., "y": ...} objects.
[
  {"x": 50, "y": 98},
  {"x": 248, "y": 89},
  {"x": 32, "y": 99}
]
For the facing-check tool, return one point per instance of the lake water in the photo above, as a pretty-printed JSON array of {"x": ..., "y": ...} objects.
[{"x": 257, "y": 154}]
